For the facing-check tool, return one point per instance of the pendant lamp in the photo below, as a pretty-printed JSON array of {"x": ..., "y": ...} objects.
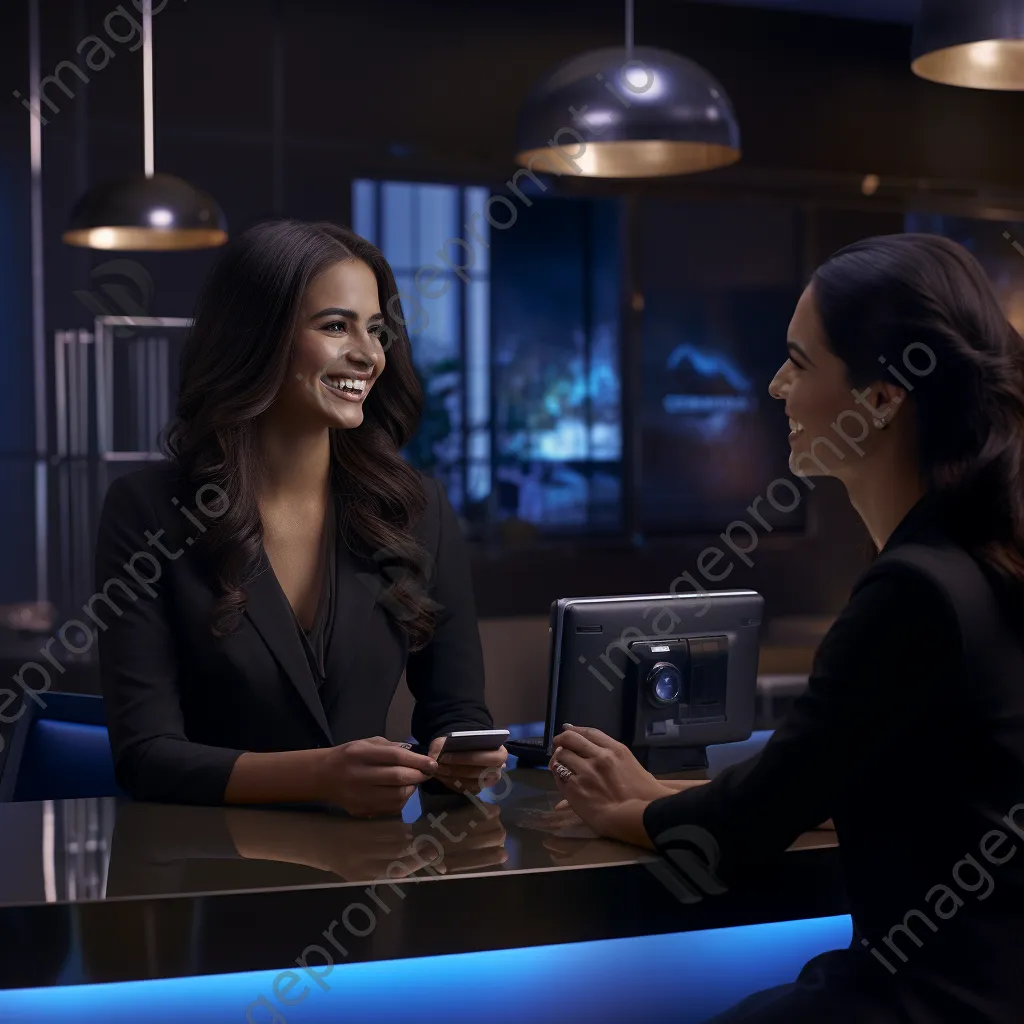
[
  {"x": 976, "y": 44},
  {"x": 627, "y": 112},
  {"x": 146, "y": 211}
]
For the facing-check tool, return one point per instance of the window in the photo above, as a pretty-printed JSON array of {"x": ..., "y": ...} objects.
[
  {"x": 514, "y": 331},
  {"x": 422, "y": 227},
  {"x": 557, "y": 395}
]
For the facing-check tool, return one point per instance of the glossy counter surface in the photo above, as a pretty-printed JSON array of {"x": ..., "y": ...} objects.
[{"x": 105, "y": 890}]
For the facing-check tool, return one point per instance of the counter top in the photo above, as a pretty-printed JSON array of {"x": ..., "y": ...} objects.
[{"x": 109, "y": 890}]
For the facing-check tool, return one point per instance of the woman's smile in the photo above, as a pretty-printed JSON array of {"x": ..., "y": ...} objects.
[{"x": 348, "y": 389}]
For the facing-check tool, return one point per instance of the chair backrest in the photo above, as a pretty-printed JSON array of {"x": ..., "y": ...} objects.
[{"x": 60, "y": 751}]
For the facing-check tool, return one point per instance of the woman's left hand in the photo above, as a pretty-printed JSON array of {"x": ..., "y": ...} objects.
[
  {"x": 468, "y": 771},
  {"x": 608, "y": 787}
]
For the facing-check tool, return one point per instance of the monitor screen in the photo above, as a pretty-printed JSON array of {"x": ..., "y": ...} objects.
[{"x": 712, "y": 439}]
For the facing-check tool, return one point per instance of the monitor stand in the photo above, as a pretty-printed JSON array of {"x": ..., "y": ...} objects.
[
  {"x": 666, "y": 760},
  {"x": 528, "y": 757}
]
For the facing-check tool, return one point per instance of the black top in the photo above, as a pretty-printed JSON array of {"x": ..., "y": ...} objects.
[
  {"x": 183, "y": 704},
  {"x": 316, "y": 640},
  {"x": 917, "y": 754}
]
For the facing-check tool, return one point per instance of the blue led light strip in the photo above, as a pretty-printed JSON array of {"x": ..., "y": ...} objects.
[{"x": 684, "y": 977}]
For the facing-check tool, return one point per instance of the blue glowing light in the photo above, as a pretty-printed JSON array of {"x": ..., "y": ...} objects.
[
  {"x": 684, "y": 977},
  {"x": 708, "y": 364}
]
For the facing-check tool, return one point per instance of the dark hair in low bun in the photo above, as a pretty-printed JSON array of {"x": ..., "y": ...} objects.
[{"x": 921, "y": 305}]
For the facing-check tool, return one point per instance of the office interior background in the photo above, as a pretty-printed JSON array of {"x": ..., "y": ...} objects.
[{"x": 597, "y": 356}]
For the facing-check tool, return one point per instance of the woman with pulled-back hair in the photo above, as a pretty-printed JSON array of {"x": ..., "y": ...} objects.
[
  {"x": 904, "y": 380},
  {"x": 296, "y": 564}
]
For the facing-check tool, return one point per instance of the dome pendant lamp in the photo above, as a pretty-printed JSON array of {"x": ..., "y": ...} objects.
[
  {"x": 146, "y": 211},
  {"x": 627, "y": 112},
  {"x": 976, "y": 44}
]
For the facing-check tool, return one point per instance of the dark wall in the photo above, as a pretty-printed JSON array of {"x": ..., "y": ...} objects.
[{"x": 274, "y": 105}]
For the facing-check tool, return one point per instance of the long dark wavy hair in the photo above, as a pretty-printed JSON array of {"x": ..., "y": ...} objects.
[
  {"x": 235, "y": 360},
  {"x": 922, "y": 305}
]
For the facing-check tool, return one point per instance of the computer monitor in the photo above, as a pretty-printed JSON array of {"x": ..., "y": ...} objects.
[{"x": 666, "y": 674}]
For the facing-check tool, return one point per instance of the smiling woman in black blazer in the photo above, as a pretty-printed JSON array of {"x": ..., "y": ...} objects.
[
  {"x": 910, "y": 735},
  {"x": 269, "y": 583}
]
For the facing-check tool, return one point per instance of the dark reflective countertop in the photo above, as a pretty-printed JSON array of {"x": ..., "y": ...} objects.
[
  {"x": 105, "y": 849},
  {"x": 149, "y": 890}
]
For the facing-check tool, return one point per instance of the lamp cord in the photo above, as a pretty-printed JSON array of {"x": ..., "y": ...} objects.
[
  {"x": 629, "y": 28},
  {"x": 147, "y": 86}
]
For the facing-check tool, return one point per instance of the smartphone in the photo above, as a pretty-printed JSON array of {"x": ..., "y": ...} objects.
[{"x": 473, "y": 739}]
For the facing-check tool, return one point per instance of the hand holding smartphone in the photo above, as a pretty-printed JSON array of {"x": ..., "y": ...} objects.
[
  {"x": 469, "y": 760},
  {"x": 473, "y": 740}
]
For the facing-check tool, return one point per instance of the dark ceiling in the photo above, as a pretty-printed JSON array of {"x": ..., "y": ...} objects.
[{"x": 904, "y": 11}]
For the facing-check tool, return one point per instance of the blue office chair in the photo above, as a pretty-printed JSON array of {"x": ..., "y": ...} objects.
[{"x": 59, "y": 752}]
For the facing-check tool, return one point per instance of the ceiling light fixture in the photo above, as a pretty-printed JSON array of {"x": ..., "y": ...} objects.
[
  {"x": 146, "y": 211},
  {"x": 627, "y": 112},
  {"x": 975, "y": 44}
]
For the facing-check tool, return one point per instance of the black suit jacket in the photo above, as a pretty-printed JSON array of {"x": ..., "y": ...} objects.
[
  {"x": 183, "y": 704},
  {"x": 910, "y": 736}
]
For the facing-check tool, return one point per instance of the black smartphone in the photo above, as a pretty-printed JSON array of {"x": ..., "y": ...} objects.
[{"x": 473, "y": 739}]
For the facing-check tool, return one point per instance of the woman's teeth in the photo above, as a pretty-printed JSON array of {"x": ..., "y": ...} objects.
[
  {"x": 795, "y": 427},
  {"x": 345, "y": 384}
]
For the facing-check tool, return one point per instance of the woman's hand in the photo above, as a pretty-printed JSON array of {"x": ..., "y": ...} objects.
[
  {"x": 608, "y": 788},
  {"x": 368, "y": 851},
  {"x": 470, "y": 837},
  {"x": 582, "y": 852},
  {"x": 358, "y": 851},
  {"x": 468, "y": 771},
  {"x": 371, "y": 777}
]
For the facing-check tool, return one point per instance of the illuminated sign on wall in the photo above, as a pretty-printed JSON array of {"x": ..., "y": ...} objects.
[{"x": 730, "y": 391}]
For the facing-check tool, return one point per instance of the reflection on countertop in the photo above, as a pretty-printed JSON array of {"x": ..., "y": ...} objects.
[
  {"x": 107, "y": 849},
  {"x": 103, "y": 890}
]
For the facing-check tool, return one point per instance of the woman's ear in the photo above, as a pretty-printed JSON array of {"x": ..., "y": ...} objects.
[{"x": 888, "y": 400}]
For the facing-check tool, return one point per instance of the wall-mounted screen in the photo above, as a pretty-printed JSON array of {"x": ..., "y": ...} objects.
[{"x": 721, "y": 282}]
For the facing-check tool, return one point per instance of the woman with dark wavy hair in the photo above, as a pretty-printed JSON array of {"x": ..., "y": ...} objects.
[
  {"x": 904, "y": 380},
  {"x": 273, "y": 579}
]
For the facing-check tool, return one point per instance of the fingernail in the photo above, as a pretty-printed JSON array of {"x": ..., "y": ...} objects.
[
  {"x": 433, "y": 766},
  {"x": 566, "y": 725}
]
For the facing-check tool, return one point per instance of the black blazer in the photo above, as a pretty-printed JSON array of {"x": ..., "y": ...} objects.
[
  {"x": 910, "y": 736},
  {"x": 183, "y": 704}
]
